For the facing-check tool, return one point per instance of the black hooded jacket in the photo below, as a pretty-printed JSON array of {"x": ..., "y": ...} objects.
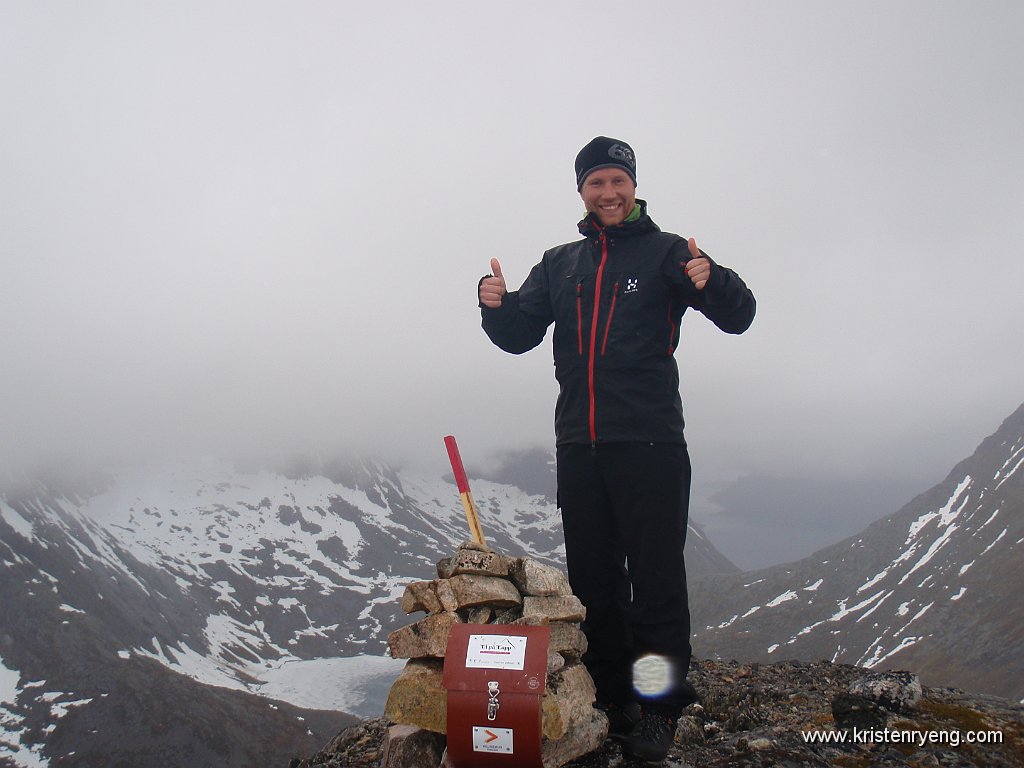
[{"x": 616, "y": 298}]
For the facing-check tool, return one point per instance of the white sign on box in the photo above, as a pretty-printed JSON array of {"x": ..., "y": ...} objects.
[
  {"x": 492, "y": 739},
  {"x": 496, "y": 652}
]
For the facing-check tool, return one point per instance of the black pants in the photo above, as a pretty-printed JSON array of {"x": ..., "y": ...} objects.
[{"x": 624, "y": 512}]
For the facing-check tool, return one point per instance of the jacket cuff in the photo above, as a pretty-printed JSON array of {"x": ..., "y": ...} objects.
[
  {"x": 509, "y": 304},
  {"x": 716, "y": 279}
]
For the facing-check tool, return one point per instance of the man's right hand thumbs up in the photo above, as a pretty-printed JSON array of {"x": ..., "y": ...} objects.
[{"x": 492, "y": 287}]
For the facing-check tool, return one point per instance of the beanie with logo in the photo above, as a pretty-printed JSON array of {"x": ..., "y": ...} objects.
[{"x": 604, "y": 152}]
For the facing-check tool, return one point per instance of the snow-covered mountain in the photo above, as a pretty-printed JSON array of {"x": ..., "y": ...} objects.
[
  {"x": 211, "y": 614},
  {"x": 935, "y": 588},
  {"x": 267, "y": 594}
]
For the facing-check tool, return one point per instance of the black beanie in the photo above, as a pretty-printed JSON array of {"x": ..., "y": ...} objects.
[{"x": 603, "y": 152}]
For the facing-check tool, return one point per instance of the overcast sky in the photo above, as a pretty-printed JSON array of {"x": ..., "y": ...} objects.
[{"x": 228, "y": 226}]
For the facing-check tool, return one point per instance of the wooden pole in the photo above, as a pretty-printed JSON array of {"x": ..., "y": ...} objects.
[{"x": 462, "y": 481}]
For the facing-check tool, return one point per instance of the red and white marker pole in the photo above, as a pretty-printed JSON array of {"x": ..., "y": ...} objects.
[{"x": 472, "y": 516}]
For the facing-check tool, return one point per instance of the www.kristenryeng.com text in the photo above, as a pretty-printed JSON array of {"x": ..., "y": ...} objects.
[{"x": 919, "y": 738}]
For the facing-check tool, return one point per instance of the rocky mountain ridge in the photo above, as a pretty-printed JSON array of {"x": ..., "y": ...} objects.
[
  {"x": 234, "y": 587},
  {"x": 237, "y": 584},
  {"x": 793, "y": 714},
  {"x": 934, "y": 588}
]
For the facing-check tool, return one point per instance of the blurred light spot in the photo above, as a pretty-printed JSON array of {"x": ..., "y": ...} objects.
[{"x": 652, "y": 675}]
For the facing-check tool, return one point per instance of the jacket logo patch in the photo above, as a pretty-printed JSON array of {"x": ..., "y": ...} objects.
[{"x": 630, "y": 285}]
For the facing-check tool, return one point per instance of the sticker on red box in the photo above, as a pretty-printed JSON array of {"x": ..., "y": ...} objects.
[
  {"x": 496, "y": 652},
  {"x": 492, "y": 739}
]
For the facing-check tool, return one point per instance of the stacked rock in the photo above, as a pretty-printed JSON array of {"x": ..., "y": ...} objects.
[{"x": 478, "y": 586}]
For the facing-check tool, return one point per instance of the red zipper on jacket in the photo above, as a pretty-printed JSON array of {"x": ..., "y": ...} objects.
[
  {"x": 672, "y": 332},
  {"x": 608, "y": 324},
  {"x": 593, "y": 336},
  {"x": 579, "y": 315}
]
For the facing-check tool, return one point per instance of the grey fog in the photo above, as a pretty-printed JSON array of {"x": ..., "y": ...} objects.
[{"x": 230, "y": 228}]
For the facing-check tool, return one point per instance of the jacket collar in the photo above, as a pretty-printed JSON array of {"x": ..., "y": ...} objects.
[{"x": 591, "y": 227}]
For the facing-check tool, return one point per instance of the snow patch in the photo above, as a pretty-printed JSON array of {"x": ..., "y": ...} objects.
[
  {"x": 875, "y": 607},
  {"x": 904, "y": 643},
  {"x": 12, "y": 724},
  {"x": 784, "y": 597},
  {"x": 997, "y": 540},
  {"x": 1018, "y": 452},
  {"x": 844, "y": 611},
  {"x": 61, "y": 708},
  {"x": 21, "y": 526},
  {"x": 935, "y": 547},
  {"x": 946, "y": 512},
  {"x": 879, "y": 654},
  {"x": 917, "y": 616},
  {"x": 990, "y": 519},
  {"x": 8, "y": 683},
  {"x": 872, "y": 581}
]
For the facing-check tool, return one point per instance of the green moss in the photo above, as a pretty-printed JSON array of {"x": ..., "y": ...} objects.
[
  {"x": 944, "y": 716},
  {"x": 961, "y": 718}
]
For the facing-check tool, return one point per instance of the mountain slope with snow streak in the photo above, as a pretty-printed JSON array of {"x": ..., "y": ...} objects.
[
  {"x": 934, "y": 588},
  {"x": 239, "y": 585}
]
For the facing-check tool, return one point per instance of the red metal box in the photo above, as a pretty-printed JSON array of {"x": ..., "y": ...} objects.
[{"x": 494, "y": 675}]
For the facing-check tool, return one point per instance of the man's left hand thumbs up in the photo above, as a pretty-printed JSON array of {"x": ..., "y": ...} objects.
[
  {"x": 698, "y": 268},
  {"x": 492, "y": 287}
]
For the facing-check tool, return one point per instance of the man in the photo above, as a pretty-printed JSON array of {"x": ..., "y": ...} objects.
[{"x": 616, "y": 299}]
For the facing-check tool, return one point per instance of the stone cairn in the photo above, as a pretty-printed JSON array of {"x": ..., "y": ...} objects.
[{"x": 478, "y": 586}]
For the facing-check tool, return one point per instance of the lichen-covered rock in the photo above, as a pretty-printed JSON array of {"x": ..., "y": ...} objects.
[
  {"x": 474, "y": 562},
  {"x": 407, "y": 746},
  {"x": 556, "y": 661},
  {"x": 567, "y": 639},
  {"x": 568, "y": 701},
  {"x": 421, "y": 596},
  {"x": 480, "y": 614},
  {"x": 896, "y": 691},
  {"x": 539, "y": 609},
  {"x": 509, "y": 615},
  {"x": 533, "y": 578},
  {"x": 418, "y": 697},
  {"x": 427, "y": 637},
  {"x": 587, "y": 734},
  {"x": 852, "y": 711},
  {"x": 465, "y": 591},
  {"x": 690, "y": 730}
]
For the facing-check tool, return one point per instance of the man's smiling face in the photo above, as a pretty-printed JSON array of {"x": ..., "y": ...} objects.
[{"x": 609, "y": 194}]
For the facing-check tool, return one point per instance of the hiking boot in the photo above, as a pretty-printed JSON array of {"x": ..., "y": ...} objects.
[
  {"x": 651, "y": 737},
  {"x": 686, "y": 694},
  {"x": 621, "y": 718}
]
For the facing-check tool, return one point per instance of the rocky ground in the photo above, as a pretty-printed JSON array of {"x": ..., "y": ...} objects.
[{"x": 754, "y": 715}]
